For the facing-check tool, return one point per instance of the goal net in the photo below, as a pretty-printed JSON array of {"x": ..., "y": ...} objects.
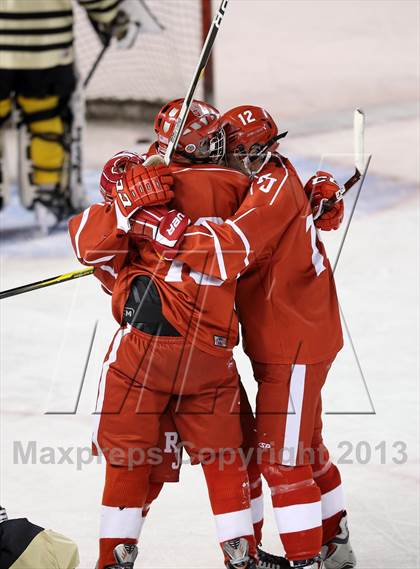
[{"x": 132, "y": 83}]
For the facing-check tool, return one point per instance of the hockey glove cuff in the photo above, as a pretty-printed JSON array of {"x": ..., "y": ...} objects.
[{"x": 319, "y": 189}]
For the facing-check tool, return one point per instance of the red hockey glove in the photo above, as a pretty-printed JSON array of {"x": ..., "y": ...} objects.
[
  {"x": 164, "y": 228},
  {"x": 319, "y": 189},
  {"x": 113, "y": 171},
  {"x": 142, "y": 186}
]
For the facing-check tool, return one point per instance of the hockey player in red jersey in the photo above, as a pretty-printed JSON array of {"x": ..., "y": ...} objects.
[
  {"x": 173, "y": 351},
  {"x": 273, "y": 244}
]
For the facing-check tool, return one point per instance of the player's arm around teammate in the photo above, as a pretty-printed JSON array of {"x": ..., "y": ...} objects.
[{"x": 298, "y": 327}]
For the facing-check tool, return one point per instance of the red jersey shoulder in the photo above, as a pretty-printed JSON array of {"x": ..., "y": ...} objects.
[
  {"x": 277, "y": 178},
  {"x": 208, "y": 190}
]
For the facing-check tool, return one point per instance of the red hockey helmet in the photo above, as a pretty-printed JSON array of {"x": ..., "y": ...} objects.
[
  {"x": 250, "y": 133},
  {"x": 203, "y": 139}
]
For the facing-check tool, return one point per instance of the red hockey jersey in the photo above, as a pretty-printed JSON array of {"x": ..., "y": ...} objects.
[
  {"x": 286, "y": 296},
  {"x": 200, "y": 307}
]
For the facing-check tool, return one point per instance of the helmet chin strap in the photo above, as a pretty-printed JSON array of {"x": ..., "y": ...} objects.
[
  {"x": 263, "y": 150},
  {"x": 248, "y": 164},
  {"x": 266, "y": 159},
  {"x": 272, "y": 141}
]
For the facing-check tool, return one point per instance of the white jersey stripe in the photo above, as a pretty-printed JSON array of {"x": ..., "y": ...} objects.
[
  {"x": 102, "y": 382},
  {"x": 244, "y": 214},
  {"x": 299, "y": 517},
  {"x": 219, "y": 252},
  {"x": 243, "y": 238},
  {"x": 123, "y": 222},
  {"x": 294, "y": 415},
  {"x": 79, "y": 231},
  {"x": 282, "y": 183},
  {"x": 100, "y": 260}
]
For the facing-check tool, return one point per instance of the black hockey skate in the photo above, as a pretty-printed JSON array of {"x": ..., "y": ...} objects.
[
  {"x": 125, "y": 555},
  {"x": 338, "y": 553},
  {"x": 237, "y": 552},
  {"x": 270, "y": 561}
]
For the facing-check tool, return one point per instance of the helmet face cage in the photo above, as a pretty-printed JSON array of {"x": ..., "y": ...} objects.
[
  {"x": 211, "y": 149},
  {"x": 203, "y": 139},
  {"x": 251, "y": 160}
]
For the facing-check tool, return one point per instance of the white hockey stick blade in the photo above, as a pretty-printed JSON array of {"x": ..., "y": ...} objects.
[{"x": 359, "y": 140}]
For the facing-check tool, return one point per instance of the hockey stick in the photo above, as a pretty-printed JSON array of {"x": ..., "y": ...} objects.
[
  {"x": 359, "y": 161},
  {"x": 95, "y": 65},
  {"x": 204, "y": 57},
  {"x": 199, "y": 70},
  {"x": 202, "y": 62},
  {"x": 46, "y": 282}
]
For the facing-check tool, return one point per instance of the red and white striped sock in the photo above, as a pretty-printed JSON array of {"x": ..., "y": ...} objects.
[
  {"x": 328, "y": 479},
  {"x": 228, "y": 487},
  {"x": 123, "y": 500},
  {"x": 297, "y": 507}
]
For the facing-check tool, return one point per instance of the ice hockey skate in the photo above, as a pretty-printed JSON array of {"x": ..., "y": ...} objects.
[
  {"x": 338, "y": 553},
  {"x": 237, "y": 552},
  {"x": 125, "y": 555},
  {"x": 270, "y": 561}
]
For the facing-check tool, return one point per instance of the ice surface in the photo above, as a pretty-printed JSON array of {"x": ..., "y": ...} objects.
[{"x": 310, "y": 68}]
